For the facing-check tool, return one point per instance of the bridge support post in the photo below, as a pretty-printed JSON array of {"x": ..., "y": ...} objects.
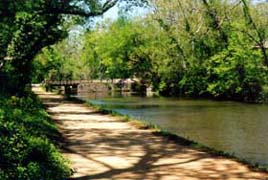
[
  {"x": 67, "y": 90},
  {"x": 48, "y": 88}
]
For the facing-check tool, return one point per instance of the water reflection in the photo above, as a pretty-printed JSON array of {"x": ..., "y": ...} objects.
[{"x": 237, "y": 128}]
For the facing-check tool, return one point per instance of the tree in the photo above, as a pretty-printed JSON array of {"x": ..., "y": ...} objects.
[
  {"x": 202, "y": 31},
  {"x": 118, "y": 50},
  {"x": 258, "y": 32},
  {"x": 38, "y": 24},
  {"x": 196, "y": 48}
]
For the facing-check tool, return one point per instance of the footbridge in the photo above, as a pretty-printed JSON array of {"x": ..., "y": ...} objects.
[{"x": 87, "y": 86}]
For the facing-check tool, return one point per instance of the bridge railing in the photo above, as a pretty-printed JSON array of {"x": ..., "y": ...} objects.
[
  {"x": 62, "y": 82},
  {"x": 77, "y": 82}
]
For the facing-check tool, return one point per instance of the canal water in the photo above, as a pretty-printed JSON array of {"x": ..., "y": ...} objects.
[{"x": 237, "y": 128}]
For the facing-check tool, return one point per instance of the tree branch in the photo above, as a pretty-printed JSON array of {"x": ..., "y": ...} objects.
[{"x": 72, "y": 10}]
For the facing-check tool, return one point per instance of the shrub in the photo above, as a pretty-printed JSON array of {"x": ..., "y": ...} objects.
[
  {"x": 236, "y": 73},
  {"x": 26, "y": 136}
]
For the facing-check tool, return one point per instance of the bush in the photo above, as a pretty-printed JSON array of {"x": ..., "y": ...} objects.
[
  {"x": 236, "y": 73},
  {"x": 194, "y": 82},
  {"x": 26, "y": 136}
]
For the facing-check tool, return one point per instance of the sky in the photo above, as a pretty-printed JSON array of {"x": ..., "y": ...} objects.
[{"x": 113, "y": 12}]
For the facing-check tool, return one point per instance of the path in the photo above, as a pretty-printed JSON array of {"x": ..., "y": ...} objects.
[{"x": 103, "y": 147}]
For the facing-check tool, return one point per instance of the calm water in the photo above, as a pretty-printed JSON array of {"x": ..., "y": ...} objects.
[{"x": 236, "y": 128}]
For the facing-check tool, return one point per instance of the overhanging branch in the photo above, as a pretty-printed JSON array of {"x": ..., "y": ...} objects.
[{"x": 72, "y": 10}]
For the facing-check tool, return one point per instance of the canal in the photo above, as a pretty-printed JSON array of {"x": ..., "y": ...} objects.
[{"x": 237, "y": 128}]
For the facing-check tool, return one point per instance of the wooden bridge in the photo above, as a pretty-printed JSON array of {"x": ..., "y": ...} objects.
[{"x": 75, "y": 86}]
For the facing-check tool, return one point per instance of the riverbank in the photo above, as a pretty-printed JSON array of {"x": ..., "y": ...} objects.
[{"x": 101, "y": 146}]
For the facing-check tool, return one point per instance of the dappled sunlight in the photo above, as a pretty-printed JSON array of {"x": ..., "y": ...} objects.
[{"x": 103, "y": 147}]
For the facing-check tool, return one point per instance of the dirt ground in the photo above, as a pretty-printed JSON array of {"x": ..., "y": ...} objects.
[{"x": 103, "y": 147}]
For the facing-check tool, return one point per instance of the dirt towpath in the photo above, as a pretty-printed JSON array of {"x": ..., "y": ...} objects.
[{"x": 103, "y": 147}]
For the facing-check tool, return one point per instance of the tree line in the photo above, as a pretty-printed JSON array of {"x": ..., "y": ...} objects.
[{"x": 214, "y": 49}]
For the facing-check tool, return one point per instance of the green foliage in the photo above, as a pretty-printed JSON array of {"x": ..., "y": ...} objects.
[
  {"x": 120, "y": 48},
  {"x": 133, "y": 49},
  {"x": 32, "y": 29},
  {"x": 194, "y": 82},
  {"x": 236, "y": 72},
  {"x": 47, "y": 65},
  {"x": 215, "y": 50},
  {"x": 26, "y": 136},
  {"x": 30, "y": 25}
]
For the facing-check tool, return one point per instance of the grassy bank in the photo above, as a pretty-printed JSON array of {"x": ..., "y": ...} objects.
[
  {"x": 28, "y": 142},
  {"x": 158, "y": 131}
]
